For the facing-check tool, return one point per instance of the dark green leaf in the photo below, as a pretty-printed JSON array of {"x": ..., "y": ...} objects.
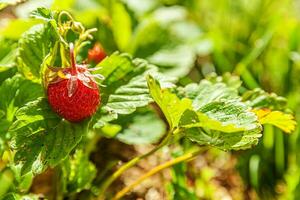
[
  {"x": 14, "y": 93},
  {"x": 34, "y": 46},
  {"x": 42, "y": 138},
  {"x": 7, "y": 54}
]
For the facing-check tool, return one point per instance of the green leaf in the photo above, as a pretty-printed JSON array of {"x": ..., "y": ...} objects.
[
  {"x": 145, "y": 44},
  {"x": 41, "y": 138},
  {"x": 168, "y": 15},
  {"x": 211, "y": 115},
  {"x": 121, "y": 25},
  {"x": 141, "y": 128},
  {"x": 219, "y": 117},
  {"x": 258, "y": 99},
  {"x": 126, "y": 87},
  {"x": 79, "y": 172},
  {"x": 215, "y": 133},
  {"x": 42, "y": 13},
  {"x": 226, "y": 116},
  {"x": 7, "y": 74},
  {"x": 176, "y": 62},
  {"x": 8, "y": 49},
  {"x": 230, "y": 113},
  {"x": 180, "y": 28},
  {"x": 7, "y": 54},
  {"x": 34, "y": 46},
  {"x": 207, "y": 91},
  {"x": 169, "y": 103},
  {"x": 4, "y": 126},
  {"x": 141, "y": 7},
  {"x": 117, "y": 69},
  {"x": 129, "y": 96},
  {"x": 228, "y": 79},
  {"x": 15, "y": 92},
  {"x": 15, "y": 28},
  {"x": 22, "y": 183},
  {"x": 168, "y": 46}
]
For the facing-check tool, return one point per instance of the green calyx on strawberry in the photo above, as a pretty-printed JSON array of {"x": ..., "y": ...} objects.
[{"x": 73, "y": 92}]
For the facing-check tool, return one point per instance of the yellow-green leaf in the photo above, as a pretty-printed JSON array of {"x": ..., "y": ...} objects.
[
  {"x": 212, "y": 124},
  {"x": 279, "y": 119},
  {"x": 15, "y": 28},
  {"x": 121, "y": 22},
  {"x": 169, "y": 103}
]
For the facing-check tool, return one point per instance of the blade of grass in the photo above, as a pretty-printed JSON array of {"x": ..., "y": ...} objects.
[{"x": 242, "y": 67}]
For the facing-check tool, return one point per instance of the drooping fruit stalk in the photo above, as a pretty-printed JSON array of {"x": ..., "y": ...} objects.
[
  {"x": 72, "y": 59},
  {"x": 73, "y": 92}
]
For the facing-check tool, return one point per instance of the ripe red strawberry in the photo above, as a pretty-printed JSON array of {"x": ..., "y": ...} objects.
[
  {"x": 96, "y": 54},
  {"x": 73, "y": 93}
]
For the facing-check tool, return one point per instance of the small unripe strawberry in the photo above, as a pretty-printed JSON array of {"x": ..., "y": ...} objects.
[
  {"x": 73, "y": 93},
  {"x": 96, "y": 54}
]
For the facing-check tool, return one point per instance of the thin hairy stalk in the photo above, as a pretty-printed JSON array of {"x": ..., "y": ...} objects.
[
  {"x": 185, "y": 157},
  {"x": 130, "y": 164}
]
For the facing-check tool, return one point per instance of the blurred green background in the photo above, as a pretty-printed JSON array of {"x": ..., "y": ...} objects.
[{"x": 256, "y": 39}]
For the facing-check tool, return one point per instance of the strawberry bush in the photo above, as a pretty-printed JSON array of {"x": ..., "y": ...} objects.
[{"x": 65, "y": 85}]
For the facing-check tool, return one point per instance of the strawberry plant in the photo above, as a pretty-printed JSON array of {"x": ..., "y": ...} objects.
[{"x": 55, "y": 108}]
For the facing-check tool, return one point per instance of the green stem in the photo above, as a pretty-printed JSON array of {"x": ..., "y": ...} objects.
[
  {"x": 130, "y": 164},
  {"x": 64, "y": 61},
  {"x": 185, "y": 157},
  {"x": 84, "y": 35},
  {"x": 60, "y": 22}
]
